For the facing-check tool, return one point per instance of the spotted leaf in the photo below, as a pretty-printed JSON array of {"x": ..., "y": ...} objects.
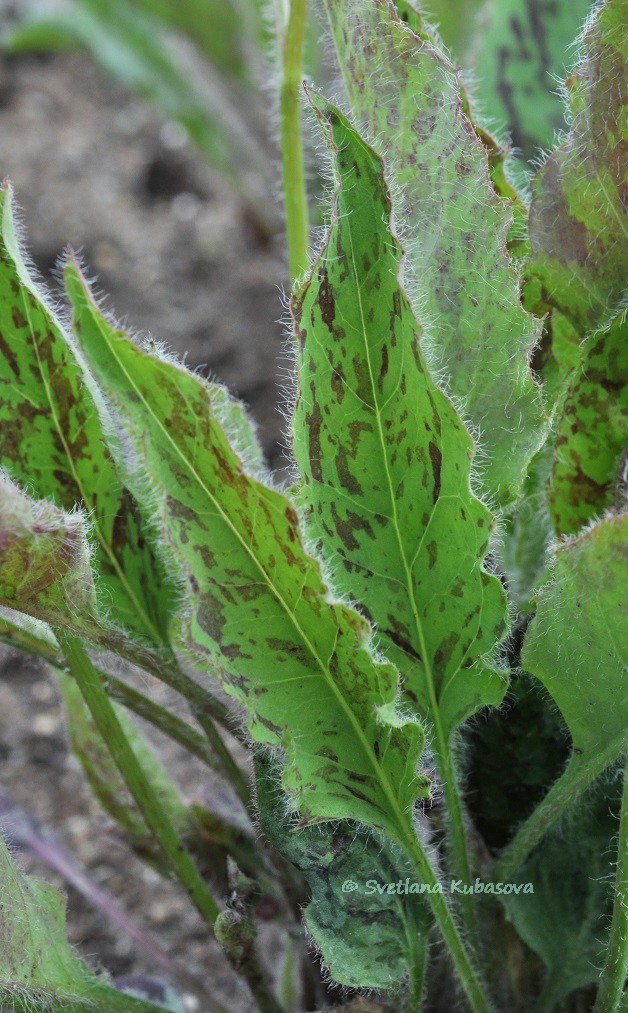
[
  {"x": 515, "y": 50},
  {"x": 592, "y": 432},
  {"x": 368, "y": 934},
  {"x": 52, "y": 443},
  {"x": 385, "y": 458},
  {"x": 44, "y": 561},
  {"x": 405, "y": 93}
]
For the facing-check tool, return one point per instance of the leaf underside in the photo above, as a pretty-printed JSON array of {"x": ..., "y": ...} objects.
[
  {"x": 366, "y": 940},
  {"x": 38, "y": 969}
]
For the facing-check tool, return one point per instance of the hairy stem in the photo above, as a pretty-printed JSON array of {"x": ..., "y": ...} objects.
[
  {"x": 105, "y": 718},
  {"x": 295, "y": 194},
  {"x": 454, "y": 817},
  {"x": 447, "y": 926},
  {"x": 579, "y": 773},
  {"x": 208, "y": 747},
  {"x": 287, "y": 990},
  {"x": 615, "y": 968},
  {"x": 417, "y": 972}
]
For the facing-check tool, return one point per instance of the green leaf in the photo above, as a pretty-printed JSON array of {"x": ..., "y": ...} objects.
[
  {"x": 577, "y": 226},
  {"x": 498, "y": 155},
  {"x": 566, "y": 920},
  {"x": 52, "y": 443},
  {"x": 367, "y": 939},
  {"x": 216, "y": 27},
  {"x": 385, "y": 458},
  {"x": 514, "y": 50},
  {"x": 592, "y": 432},
  {"x": 44, "y": 560},
  {"x": 577, "y": 644},
  {"x": 38, "y": 969},
  {"x": 478, "y": 334},
  {"x": 133, "y": 46},
  {"x": 241, "y": 430},
  {"x": 258, "y": 605}
]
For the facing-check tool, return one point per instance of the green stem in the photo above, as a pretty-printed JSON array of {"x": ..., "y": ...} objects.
[
  {"x": 167, "y": 670},
  {"x": 287, "y": 990},
  {"x": 172, "y": 726},
  {"x": 446, "y": 925},
  {"x": 615, "y": 968},
  {"x": 579, "y": 773},
  {"x": 106, "y": 721},
  {"x": 417, "y": 972},
  {"x": 226, "y": 762},
  {"x": 295, "y": 194},
  {"x": 206, "y": 709},
  {"x": 454, "y": 817},
  {"x": 210, "y": 748}
]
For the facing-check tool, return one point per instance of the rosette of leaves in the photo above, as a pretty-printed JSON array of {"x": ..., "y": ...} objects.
[{"x": 358, "y": 617}]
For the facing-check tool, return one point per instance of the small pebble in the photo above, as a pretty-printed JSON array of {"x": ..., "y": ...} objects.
[{"x": 46, "y": 724}]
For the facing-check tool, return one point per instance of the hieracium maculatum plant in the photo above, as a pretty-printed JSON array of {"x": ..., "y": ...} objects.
[{"x": 419, "y": 640}]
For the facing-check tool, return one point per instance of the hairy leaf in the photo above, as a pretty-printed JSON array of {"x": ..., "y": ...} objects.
[
  {"x": 498, "y": 155},
  {"x": 257, "y": 601},
  {"x": 38, "y": 969},
  {"x": 52, "y": 443},
  {"x": 44, "y": 560},
  {"x": 405, "y": 92},
  {"x": 577, "y": 644},
  {"x": 385, "y": 458},
  {"x": 515, "y": 50},
  {"x": 577, "y": 219},
  {"x": 367, "y": 939},
  {"x": 592, "y": 432},
  {"x": 566, "y": 920}
]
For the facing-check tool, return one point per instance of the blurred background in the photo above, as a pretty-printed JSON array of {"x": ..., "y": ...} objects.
[{"x": 142, "y": 133}]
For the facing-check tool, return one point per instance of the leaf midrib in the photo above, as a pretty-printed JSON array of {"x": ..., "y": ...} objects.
[{"x": 409, "y": 587}]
